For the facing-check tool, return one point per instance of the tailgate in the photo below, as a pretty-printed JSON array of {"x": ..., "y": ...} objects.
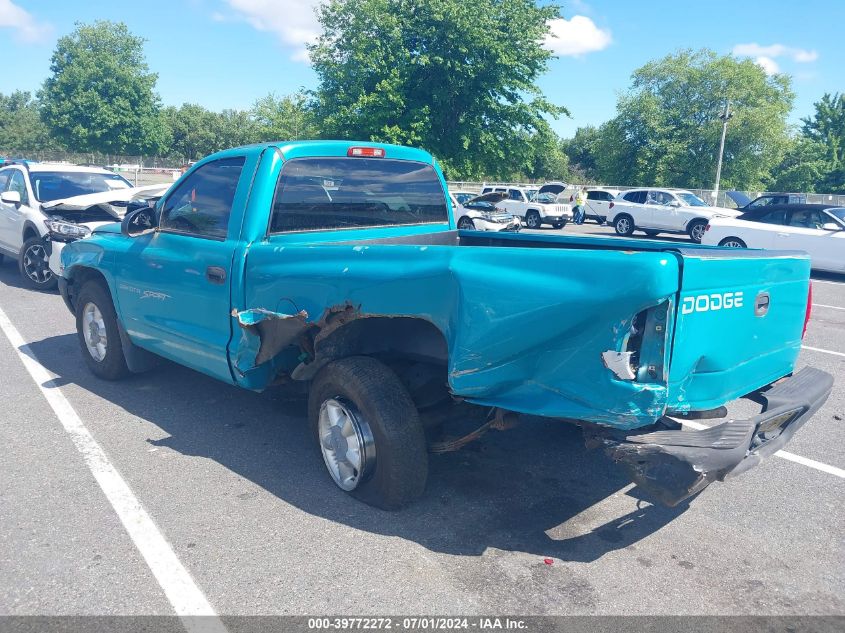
[{"x": 738, "y": 324}]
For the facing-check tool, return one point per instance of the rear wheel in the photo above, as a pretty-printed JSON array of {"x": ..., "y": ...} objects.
[
  {"x": 624, "y": 225},
  {"x": 696, "y": 230},
  {"x": 369, "y": 432},
  {"x": 651, "y": 233},
  {"x": 34, "y": 265},
  {"x": 466, "y": 224},
  {"x": 733, "y": 242},
  {"x": 99, "y": 337},
  {"x": 532, "y": 220}
]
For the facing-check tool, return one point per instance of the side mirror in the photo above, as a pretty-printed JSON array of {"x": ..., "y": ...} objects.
[
  {"x": 10, "y": 197},
  {"x": 832, "y": 226},
  {"x": 674, "y": 204},
  {"x": 139, "y": 222}
]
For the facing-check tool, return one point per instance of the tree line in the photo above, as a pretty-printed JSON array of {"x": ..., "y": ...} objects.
[{"x": 458, "y": 79}]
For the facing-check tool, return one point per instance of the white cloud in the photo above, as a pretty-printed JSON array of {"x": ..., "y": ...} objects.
[
  {"x": 575, "y": 37},
  {"x": 773, "y": 51},
  {"x": 294, "y": 22},
  {"x": 768, "y": 64},
  {"x": 28, "y": 29}
]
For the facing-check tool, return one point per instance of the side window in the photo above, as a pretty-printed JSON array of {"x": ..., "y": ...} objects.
[
  {"x": 595, "y": 195},
  {"x": 486, "y": 190},
  {"x": 4, "y": 178},
  {"x": 659, "y": 197},
  {"x": 202, "y": 204},
  {"x": 637, "y": 197},
  {"x": 810, "y": 219},
  {"x": 777, "y": 216},
  {"x": 17, "y": 183},
  {"x": 515, "y": 194}
]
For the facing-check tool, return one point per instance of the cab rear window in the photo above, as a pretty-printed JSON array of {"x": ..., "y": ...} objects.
[{"x": 343, "y": 193}]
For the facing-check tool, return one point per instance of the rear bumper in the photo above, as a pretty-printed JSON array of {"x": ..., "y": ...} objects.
[{"x": 673, "y": 464}]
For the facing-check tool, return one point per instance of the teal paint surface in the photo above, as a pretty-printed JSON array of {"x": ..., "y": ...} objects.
[{"x": 525, "y": 327}]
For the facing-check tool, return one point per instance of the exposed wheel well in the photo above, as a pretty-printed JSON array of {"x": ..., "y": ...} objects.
[
  {"x": 79, "y": 276},
  {"x": 391, "y": 339},
  {"x": 29, "y": 231}
]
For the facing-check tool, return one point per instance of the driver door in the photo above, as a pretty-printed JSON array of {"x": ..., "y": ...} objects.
[
  {"x": 663, "y": 216},
  {"x": 173, "y": 285}
]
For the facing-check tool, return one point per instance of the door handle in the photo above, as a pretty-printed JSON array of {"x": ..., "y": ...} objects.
[{"x": 215, "y": 274}]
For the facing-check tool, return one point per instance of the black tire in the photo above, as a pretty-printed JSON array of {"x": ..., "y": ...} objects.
[
  {"x": 558, "y": 225},
  {"x": 733, "y": 242},
  {"x": 113, "y": 364},
  {"x": 466, "y": 224},
  {"x": 696, "y": 230},
  {"x": 401, "y": 464},
  {"x": 624, "y": 225},
  {"x": 533, "y": 220},
  {"x": 33, "y": 264},
  {"x": 651, "y": 233}
]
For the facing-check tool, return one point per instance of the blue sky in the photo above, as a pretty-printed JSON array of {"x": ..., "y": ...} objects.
[{"x": 228, "y": 53}]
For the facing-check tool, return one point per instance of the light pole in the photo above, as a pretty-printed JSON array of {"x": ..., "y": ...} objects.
[{"x": 725, "y": 115}]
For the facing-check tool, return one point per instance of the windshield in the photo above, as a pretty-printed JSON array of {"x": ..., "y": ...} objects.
[
  {"x": 691, "y": 200},
  {"x": 531, "y": 194},
  {"x": 463, "y": 197},
  {"x": 56, "y": 185},
  {"x": 337, "y": 193},
  {"x": 838, "y": 213}
]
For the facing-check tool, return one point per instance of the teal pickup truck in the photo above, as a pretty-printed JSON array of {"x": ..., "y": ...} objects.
[{"x": 338, "y": 264}]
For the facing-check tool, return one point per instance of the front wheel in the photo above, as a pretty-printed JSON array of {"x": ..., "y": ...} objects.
[
  {"x": 624, "y": 225},
  {"x": 558, "y": 225},
  {"x": 466, "y": 224},
  {"x": 733, "y": 242},
  {"x": 99, "y": 337},
  {"x": 652, "y": 233},
  {"x": 369, "y": 432},
  {"x": 696, "y": 230},
  {"x": 532, "y": 220},
  {"x": 34, "y": 265}
]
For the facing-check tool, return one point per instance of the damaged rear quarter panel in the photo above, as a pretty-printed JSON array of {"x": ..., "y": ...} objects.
[{"x": 525, "y": 328}]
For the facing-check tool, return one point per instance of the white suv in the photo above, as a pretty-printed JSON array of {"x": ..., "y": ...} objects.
[
  {"x": 535, "y": 206},
  {"x": 656, "y": 211},
  {"x": 43, "y": 206}
]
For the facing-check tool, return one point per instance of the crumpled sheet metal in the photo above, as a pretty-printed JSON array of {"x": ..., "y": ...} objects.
[{"x": 265, "y": 333}]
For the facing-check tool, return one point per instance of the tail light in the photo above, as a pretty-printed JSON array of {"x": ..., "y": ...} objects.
[
  {"x": 611, "y": 206},
  {"x": 366, "y": 152},
  {"x": 571, "y": 198},
  {"x": 809, "y": 310},
  {"x": 707, "y": 228}
]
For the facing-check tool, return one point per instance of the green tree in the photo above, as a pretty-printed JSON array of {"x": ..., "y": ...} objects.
[
  {"x": 825, "y": 132},
  {"x": 287, "y": 118},
  {"x": 666, "y": 131},
  {"x": 581, "y": 150},
  {"x": 454, "y": 77},
  {"x": 804, "y": 167},
  {"x": 100, "y": 96},
  {"x": 235, "y": 128},
  {"x": 21, "y": 127},
  {"x": 192, "y": 130}
]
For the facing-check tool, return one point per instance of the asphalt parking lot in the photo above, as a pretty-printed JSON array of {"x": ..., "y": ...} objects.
[{"x": 233, "y": 483}]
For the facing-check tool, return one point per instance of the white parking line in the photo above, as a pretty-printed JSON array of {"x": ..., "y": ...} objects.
[
  {"x": 823, "y": 305},
  {"x": 823, "y": 351},
  {"x": 184, "y": 595},
  {"x": 792, "y": 457}
]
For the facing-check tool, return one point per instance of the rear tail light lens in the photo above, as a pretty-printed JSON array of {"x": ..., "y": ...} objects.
[
  {"x": 365, "y": 152},
  {"x": 809, "y": 310},
  {"x": 706, "y": 228},
  {"x": 611, "y": 205}
]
